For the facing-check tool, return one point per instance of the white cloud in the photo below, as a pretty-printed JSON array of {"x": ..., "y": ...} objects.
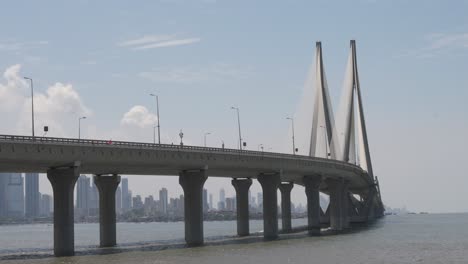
[
  {"x": 171, "y": 43},
  {"x": 145, "y": 40},
  {"x": 56, "y": 108},
  {"x": 138, "y": 116},
  {"x": 440, "y": 44},
  {"x": 157, "y": 41}
]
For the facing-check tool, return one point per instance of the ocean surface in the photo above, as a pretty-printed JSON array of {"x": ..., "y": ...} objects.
[{"x": 431, "y": 238}]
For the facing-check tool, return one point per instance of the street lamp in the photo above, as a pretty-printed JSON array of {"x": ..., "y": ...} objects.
[
  {"x": 260, "y": 146},
  {"x": 293, "y": 143},
  {"x": 326, "y": 140},
  {"x": 79, "y": 126},
  {"x": 206, "y": 134},
  {"x": 32, "y": 103},
  {"x": 157, "y": 116},
  {"x": 238, "y": 123}
]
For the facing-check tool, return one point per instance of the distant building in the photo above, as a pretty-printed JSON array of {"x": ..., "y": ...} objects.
[
  {"x": 126, "y": 196},
  {"x": 149, "y": 205},
  {"x": 211, "y": 201},
  {"x": 137, "y": 202},
  {"x": 260, "y": 202},
  {"x": 14, "y": 195},
  {"x": 163, "y": 201},
  {"x": 205, "y": 201},
  {"x": 93, "y": 203},
  {"x": 230, "y": 204},
  {"x": 118, "y": 200},
  {"x": 32, "y": 207},
  {"x": 46, "y": 205},
  {"x": 222, "y": 198},
  {"x": 222, "y": 195},
  {"x": 82, "y": 196}
]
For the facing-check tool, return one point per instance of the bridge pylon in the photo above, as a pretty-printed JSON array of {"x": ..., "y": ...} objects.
[{"x": 322, "y": 117}]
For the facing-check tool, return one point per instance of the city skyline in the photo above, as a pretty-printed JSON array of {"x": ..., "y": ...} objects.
[{"x": 86, "y": 199}]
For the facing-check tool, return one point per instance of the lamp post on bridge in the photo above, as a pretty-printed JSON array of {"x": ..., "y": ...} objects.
[
  {"x": 79, "y": 126},
  {"x": 32, "y": 103},
  {"x": 260, "y": 146},
  {"x": 238, "y": 123},
  {"x": 326, "y": 141},
  {"x": 293, "y": 143},
  {"x": 157, "y": 116},
  {"x": 204, "y": 137}
]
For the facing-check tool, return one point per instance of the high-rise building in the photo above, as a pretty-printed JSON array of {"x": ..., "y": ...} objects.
[
  {"x": 126, "y": 196},
  {"x": 137, "y": 202},
  {"x": 118, "y": 200},
  {"x": 230, "y": 204},
  {"x": 222, "y": 198},
  {"x": 82, "y": 196},
  {"x": 260, "y": 202},
  {"x": 211, "y": 201},
  {"x": 46, "y": 205},
  {"x": 15, "y": 195},
  {"x": 163, "y": 200},
  {"x": 32, "y": 195},
  {"x": 93, "y": 201},
  {"x": 205, "y": 200},
  {"x": 222, "y": 195}
]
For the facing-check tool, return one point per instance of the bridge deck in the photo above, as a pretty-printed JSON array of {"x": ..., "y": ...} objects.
[{"x": 27, "y": 154}]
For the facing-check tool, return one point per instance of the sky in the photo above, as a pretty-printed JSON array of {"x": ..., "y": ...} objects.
[{"x": 103, "y": 59}]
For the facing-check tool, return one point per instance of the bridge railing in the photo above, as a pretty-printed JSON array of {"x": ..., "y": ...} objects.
[{"x": 143, "y": 145}]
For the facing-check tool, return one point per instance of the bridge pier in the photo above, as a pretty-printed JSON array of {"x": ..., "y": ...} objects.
[
  {"x": 192, "y": 182},
  {"x": 242, "y": 199},
  {"x": 345, "y": 196},
  {"x": 63, "y": 181},
  {"x": 270, "y": 183},
  {"x": 285, "y": 189},
  {"x": 107, "y": 185},
  {"x": 335, "y": 188},
  {"x": 312, "y": 185}
]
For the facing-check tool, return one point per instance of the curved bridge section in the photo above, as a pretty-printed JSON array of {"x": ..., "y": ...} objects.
[{"x": 354, "y": 196}]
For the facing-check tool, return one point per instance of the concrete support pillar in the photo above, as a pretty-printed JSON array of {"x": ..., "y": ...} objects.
[
  {"x": 242, "y": 200},
  {"x": 285, "y": 189},
  {"x": 312, "y": 185},
  {"x": 107, "y": 185},
  {"x": 270, "y": 183},
  {"x": 192, "y": 183},
  {"x": 335, "y": 188},
  {"x": 345, "y": 196},
  {"x": 63, "y": 181}
]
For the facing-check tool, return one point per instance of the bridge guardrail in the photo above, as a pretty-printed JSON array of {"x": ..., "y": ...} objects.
[{"x": 142, "y": 145}]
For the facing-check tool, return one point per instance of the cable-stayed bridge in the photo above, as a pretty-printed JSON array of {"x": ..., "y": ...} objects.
[{"x": 345, "y": 173}]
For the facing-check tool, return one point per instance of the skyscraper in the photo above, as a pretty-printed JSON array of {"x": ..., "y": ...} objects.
[
  {"x": 211, "y": 201},
  {"x": 32, "y": 194},
  {"x": 118, "y": 200},
  {"x": 46, "y": 202},
  {"x": 205, "y": 200},
  {"x": 82, "y": 196},
  {"x": 163, "y": 201},
  {"x": 222, "y": 200},
  {"x": 93, "y": 199},
  {"x": 126, "y": 196},
  {"x": 15, "y": 195}
]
